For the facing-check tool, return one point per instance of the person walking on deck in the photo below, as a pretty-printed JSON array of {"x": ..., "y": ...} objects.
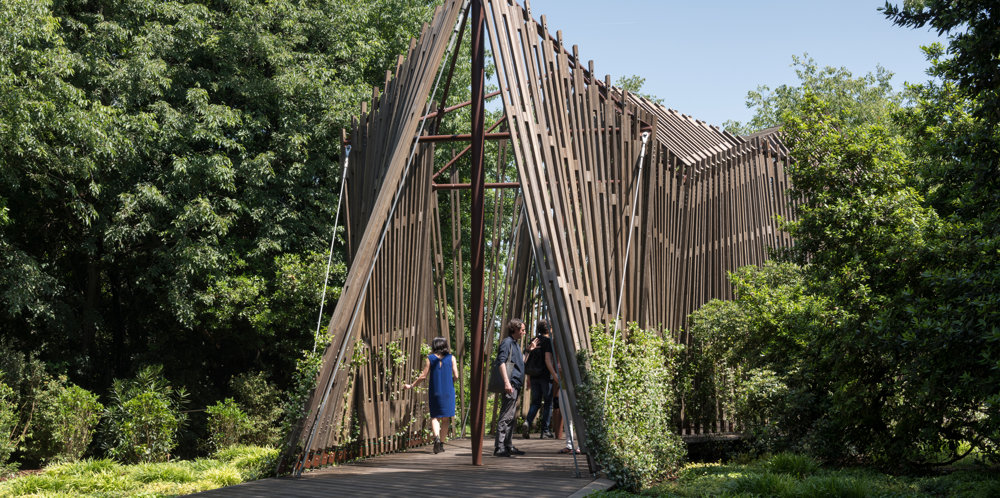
[{"x": 441, "y": 368}]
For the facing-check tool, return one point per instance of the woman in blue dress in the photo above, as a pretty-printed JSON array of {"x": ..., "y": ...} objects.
[{"x": 440, "y": 366}]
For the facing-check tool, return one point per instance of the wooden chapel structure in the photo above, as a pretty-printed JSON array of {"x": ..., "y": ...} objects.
[{"x": 628, "y": 209}]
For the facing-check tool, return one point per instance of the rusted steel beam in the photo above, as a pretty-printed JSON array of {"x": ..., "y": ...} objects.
[
  {"x": 466, "y": 186},
  {"x": 491, "y": 136},
  {"x": 463, "y": 137},
  {"x": 467, "y": 103},
  {"x": 465, "y": 150},
  {"x": 478, "y": 194}
]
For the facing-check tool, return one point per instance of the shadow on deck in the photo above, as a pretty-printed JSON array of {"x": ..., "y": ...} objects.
[{"x": 543, "y": 471}]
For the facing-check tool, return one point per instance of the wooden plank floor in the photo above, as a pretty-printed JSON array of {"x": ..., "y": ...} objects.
[{"x": 419, "y": 472}]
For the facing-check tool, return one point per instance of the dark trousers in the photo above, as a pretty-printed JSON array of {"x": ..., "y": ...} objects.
[
  {"x": 505, "y": 426},
  {"x": 541, "y": 397}
]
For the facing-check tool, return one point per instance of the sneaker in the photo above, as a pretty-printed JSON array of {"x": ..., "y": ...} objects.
[
  {"x": 501, "y": 453},
  {"x": 525, "y": 430},
  {"x": 548, "y": 434},
  {"x": 438, "y": 447},
  {"x": 514, "y": 451}
]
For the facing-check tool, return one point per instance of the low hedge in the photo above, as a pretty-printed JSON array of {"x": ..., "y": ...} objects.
[
  {"x": 799, "y": 476},
  {"x": 629, "y": 431},
  {"x": 105, "y": 477}
]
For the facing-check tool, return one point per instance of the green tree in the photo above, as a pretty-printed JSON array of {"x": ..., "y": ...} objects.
[
  {"x": 168, "y": 171},
  {"x": 855, "y": 100},
  {"x": 52, "y": 140},
  {"x": 860, "y": 230},
  {"x": 952, "y": 314},
  {"x": 897, "y": 232},
  {"x": 826, "y": 329},
  {"x": 761, "y": 357},
  {"x": 634, "y": 84}
]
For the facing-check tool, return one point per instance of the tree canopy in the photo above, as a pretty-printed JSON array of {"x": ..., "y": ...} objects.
[
  {"x": 169, "y": 170},
  {"x": 855, "y": 99},
  {"x": 886, "y": 350}
]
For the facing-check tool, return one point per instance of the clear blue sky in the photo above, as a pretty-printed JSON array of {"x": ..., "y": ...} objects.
[{"x": 702, "y": 56}]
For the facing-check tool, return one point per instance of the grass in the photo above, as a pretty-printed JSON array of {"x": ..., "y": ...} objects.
[
  {"x": 109, "y": 478},
  {"x": 787, "y": 475}
]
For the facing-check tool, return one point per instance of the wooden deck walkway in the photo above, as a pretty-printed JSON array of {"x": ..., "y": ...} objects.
[{"x": 419, "y": 472}]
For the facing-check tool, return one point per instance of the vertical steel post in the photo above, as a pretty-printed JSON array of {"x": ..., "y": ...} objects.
[{"x": 478, "y": 194}]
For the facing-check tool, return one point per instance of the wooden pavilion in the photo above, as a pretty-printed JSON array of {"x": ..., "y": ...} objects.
[{"x": 627, "y": 210}]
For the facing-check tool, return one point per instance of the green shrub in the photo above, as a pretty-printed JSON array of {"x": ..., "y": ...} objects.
[
  {"x": 176, "y": 472},
  {"x": 83, "y": 467},
  {"x": 961, "y": 483},
  {"x": 706, "y": 377},
  {"x": 792, "y": 464},
  {"x": 261, "y": 401},
  {"x": 765, "y": 484},
  {"x": 757, "y": 357},
  {"x": 757, "y": 392},
  {"x": 759, "y": 478},
  {"x": 69, "y": 416},
  {"x": 842, "y": 486},
  {"x": 144, "y": 417},
  {"x": 227, "y": 424},
  {"x": 294, "y": 407},
  {"x": 253, "y": 462},
  {"x": 629, "y": 431},
  {"x": 109, "y": 478},
  {"x": 148, "y": 431},
  {"x": 8, "y": 419},
  {"x": 26, "y": 378}
]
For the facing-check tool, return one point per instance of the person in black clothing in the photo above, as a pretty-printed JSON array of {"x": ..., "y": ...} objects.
[
  {"x": 512, "y": 381},
  {"x": 541, "y": 384}
]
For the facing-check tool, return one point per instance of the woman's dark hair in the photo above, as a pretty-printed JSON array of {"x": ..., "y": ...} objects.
[
  {"x": 514, "y": 325},
  {"x": 542, "y": 328},
  {"x": 440, "y": 346}
]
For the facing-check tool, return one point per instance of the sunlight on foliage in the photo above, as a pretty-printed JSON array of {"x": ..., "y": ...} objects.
[{"x": 105, "y": 477}]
